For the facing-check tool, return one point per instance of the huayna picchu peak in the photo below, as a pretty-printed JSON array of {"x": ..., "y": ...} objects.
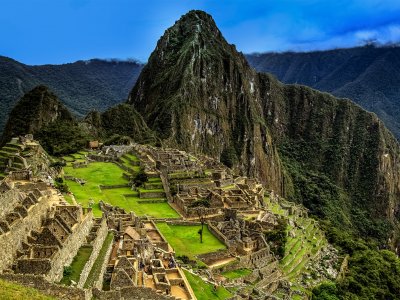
[
  {"x": 210, "y": 181},
  {"x": 197, "y": 92}
]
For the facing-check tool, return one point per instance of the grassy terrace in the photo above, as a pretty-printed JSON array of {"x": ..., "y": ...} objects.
[
  {"x": 12, "y": 291},
  {"x": 77, "y": 265},
  {"x": 206, "y": 291},
  {"x": 96, "y": 269},
  {"x": 236, "y": 273},
  {"x": 106, "y": 174},
  {"x": 185, "y": 239},
  {"x": 131, "y": 157}
]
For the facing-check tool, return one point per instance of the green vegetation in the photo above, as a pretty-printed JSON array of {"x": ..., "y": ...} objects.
[
  {"x": 127, "y": 122},
  {"x": 62, "y": 137},
  {"x": 76, "y": 267},
  {"x": 13, "y": 291},
  {"x": 99, "y": 173},
  {"x": 185, "y": 239},
  {"x": 206, "y": 291},
  {"x": 129, "y": 200},
  {"x": 372, "y": 274},
  {"x": 229, "y": 157},
  {"x": 236, "y": 273},
  {"x": 96, "y": 269}
]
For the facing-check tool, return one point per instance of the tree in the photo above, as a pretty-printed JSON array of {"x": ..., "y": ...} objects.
[
  {"x": 140, "y": 178},
  {"x": 201, "y": 212}
]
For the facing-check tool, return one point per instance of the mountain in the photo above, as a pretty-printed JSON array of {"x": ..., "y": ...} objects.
[
  {"x": 118, "y": 124},
  {"x": 82, "y": 86},
  {"x": 199, "y": 94},
  {"x": 368, "y": 75},
  {"x": 41, "y": 113}
]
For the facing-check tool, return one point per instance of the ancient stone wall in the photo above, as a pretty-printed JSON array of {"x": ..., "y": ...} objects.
[
  {"x": 212, "y": 257},
  {"x": 99, "y": 282},
  {"x": 70, "y": 248},
  {"x": 12, "y": 241},
  {"x": 96, "y": 244},
  {"x": 152, "y": 195},
  {"x": 115, "y": 186},
  {"x": 8, "y": 201},
  {"x": 218, "y": 234},
  {"x": 152, "y": 200}
]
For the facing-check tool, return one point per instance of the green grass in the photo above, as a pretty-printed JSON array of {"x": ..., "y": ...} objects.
[
  {"x": 68, "y": 198},
  {"x": 131, "y": 157},
  {"x": 154, "y": 179},
  {"x": 157, "y": 210},
  {"x": 236, "y": 273},
  {"x": 97, "y": 174},
  {"x": 205, "y": 291},
  {"x": 142, "y": 190},
  {"x": 77, "y": 265},
  {"x": 13, "y": 291},
  {"x": 96, "y": 269},
  {"x": 185, "y": 239}
]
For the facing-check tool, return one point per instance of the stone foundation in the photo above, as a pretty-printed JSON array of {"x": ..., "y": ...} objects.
[{"x": 12, "y": 240}]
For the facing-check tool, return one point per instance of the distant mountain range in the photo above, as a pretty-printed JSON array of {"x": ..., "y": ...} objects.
[
  {"x": 82, "y": 86},
  {"x": 368, "y": 75}
]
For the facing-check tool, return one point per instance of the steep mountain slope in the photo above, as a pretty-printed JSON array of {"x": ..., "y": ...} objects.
[
  {"x": 368, "y": 75},
  {"x": 81, "y": 86},
  {"x": 119, "y": 123},
  {"x": 41, "y": 113},
  {"x": 198, "y": 93}
]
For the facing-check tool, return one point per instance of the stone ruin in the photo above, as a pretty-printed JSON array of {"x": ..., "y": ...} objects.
[
  {"x": 54, "y": 245},
  {"x": 245, "y": 194},
  {"x": 141, "y": 257}
]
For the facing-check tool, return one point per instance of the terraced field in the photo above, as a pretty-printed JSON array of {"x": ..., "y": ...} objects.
[
  {"x": 304, "y": 241},
  {"x": 99, "y": 176}
]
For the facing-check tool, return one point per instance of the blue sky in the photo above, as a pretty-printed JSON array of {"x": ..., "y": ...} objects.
[{"x": 59, "y": 31}]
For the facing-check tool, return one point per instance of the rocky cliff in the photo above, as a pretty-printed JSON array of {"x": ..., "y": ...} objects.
[
  {"x": 342, "y": 161},
  {"x": 368, "y": 75},
  {"x": 198, "y": 93}
]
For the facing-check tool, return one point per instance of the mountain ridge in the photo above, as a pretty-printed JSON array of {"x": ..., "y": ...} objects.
[
  {"x": 367, "y": 75},
  {"x": 82, "y": 86}
]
